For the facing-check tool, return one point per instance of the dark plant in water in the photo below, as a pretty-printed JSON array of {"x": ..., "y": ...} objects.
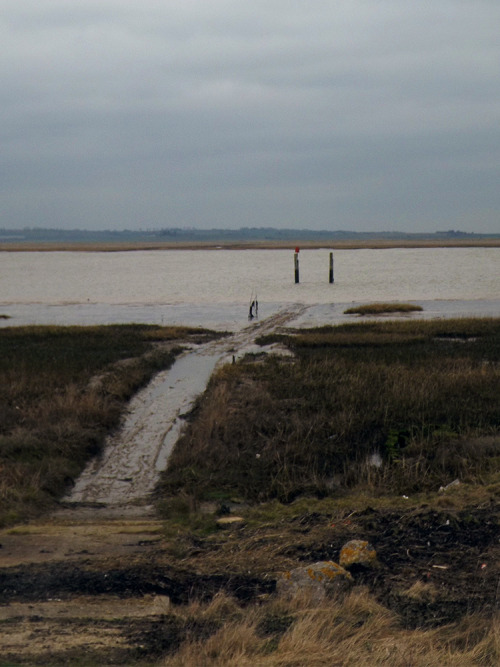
[{"x": 383, "y": 308}]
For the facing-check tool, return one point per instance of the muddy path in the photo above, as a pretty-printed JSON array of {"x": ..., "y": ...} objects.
[{"x": 120, "y": 480}]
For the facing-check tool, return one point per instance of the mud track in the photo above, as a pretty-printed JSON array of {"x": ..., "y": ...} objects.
[{"x": 122, "y": 478}]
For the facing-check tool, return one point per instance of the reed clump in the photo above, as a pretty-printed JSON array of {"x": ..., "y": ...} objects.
[
  {"x": 392, "y": 407},
  {"x": 62, "y": 389}
]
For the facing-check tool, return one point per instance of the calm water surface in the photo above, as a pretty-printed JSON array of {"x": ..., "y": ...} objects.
[{"x": 81, "y": 287}]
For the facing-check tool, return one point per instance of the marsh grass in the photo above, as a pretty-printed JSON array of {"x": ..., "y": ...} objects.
[
  {"x": 422, "y": 395},
  {"x": 62, "y": 389},
  {"x": 383, "y": 308}
]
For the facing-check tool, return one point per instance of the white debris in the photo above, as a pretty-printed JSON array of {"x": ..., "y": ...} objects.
[{"x": 451, "y": 485}]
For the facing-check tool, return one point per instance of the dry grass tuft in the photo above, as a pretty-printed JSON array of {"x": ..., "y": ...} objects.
[
  {"x": 354, "y": 633},
  {"x": 422, "y": 592}
]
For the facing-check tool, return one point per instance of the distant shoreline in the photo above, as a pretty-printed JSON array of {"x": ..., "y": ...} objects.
[{"x": 334, "y": 244}]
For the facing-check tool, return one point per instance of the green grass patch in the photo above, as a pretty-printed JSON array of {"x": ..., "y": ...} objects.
[{"x": 383, "y": 308}]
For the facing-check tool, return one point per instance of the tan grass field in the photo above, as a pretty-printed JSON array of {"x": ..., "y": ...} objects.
[{"x": 251, "y": 245}]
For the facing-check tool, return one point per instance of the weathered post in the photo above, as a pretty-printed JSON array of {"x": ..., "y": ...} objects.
[
  {"x": 330, "y": 277},
  {"x": 296, "y": 264}
]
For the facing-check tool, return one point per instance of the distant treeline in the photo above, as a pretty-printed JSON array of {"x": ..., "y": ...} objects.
[{"x": 178, "y": 234}]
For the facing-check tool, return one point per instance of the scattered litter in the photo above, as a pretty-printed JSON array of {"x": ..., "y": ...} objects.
[
  {"x": 441, "y": 567},
  {"x": 405, "y": 497},
  {"x": 451, "y": 485},
  {"x": 375, "y": 460},
  {"x": 483, "y": 566}
]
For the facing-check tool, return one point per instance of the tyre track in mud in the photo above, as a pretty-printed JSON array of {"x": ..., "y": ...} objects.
[{"x": 125, "y": 474}]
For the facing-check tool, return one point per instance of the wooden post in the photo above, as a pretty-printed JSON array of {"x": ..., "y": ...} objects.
[
  {"x": 296, "y": 265},
  {"x": 330, "y": 277}
]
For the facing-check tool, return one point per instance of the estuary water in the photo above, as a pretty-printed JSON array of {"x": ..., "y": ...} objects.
[{"x": 214, "y": 287}]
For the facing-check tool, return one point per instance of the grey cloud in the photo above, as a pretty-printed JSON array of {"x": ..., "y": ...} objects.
[{"x": 356, "y": 114}]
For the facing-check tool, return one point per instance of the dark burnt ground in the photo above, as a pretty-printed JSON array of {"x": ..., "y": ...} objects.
[
  {"x": 423, "y": 545},
  {"x": 39, "y": 582},
  {"x": 457, "y": 552}
]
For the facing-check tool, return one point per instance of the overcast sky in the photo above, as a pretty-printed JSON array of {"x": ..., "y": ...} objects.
[{"x": 342, "y": 114}]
